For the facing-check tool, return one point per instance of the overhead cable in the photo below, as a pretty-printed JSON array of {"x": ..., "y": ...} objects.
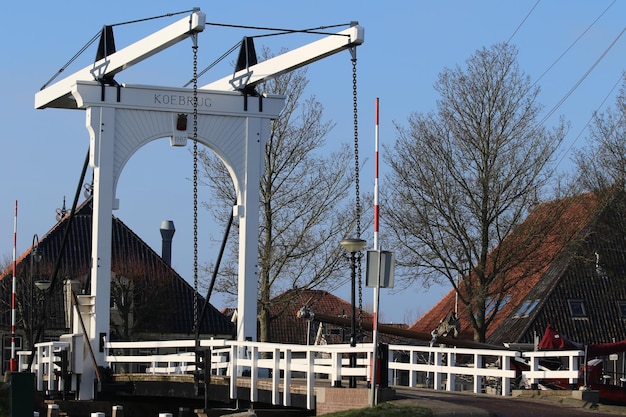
[
  {"x": 573, "y": 43},
  {"x": 584, "y": 76},
  {"x": 580, "y": 133},
  {"x": 523, "y": 21}
]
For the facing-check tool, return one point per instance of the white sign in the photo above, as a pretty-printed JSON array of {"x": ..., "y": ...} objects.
[{"x": 383, "y": 270}]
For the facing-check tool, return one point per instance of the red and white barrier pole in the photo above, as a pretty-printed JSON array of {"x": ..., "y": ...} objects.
[
  {"x": 375, "y": 366},
  {"x": 376, "y": 180},
  {"x": 13, "y": 361}
]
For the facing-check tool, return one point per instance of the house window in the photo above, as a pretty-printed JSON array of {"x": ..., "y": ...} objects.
[
  {"x": 622, "y": 309},
  {"x": 526, "y": 309},
  {"x": 577, "y": 308},
  {"x": 491, "y": 304}
]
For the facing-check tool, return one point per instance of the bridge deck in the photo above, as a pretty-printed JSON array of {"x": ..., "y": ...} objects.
[
  {"x": 298, "y": 385},
  {"x": 326, "y": 397}
]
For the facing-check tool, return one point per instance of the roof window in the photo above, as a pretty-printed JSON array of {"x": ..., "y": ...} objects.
[
  {"x": 577, "y": 309},
  {"x": 491, "y": 304},
  {"x": 526, "y": 309}
]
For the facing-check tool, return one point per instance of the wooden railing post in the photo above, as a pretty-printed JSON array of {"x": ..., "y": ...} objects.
[{"x": 287, "y": 379}]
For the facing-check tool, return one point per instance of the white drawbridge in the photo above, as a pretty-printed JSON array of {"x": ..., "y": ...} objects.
[{"x": 123, "y": 118}]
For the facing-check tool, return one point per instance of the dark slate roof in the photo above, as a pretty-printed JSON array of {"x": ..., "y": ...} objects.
[
  {"x": 285, "y": 327},
  {"x": 563, "y": 269},
  {"x": 593, "y": 271},
  {"x": 170, "y": 309}
]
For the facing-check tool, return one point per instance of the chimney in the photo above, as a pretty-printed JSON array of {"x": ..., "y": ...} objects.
[{"x": 167, "y": 232}]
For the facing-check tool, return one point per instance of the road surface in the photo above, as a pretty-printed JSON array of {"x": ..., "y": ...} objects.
[{"x": 499, "y": 406}]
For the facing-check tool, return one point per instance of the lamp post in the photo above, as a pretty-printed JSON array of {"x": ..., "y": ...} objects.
[
  {"x": 353, "y": 246},
  {"x": 35, "y": 256},
  {"x": 42, "y": 286}
]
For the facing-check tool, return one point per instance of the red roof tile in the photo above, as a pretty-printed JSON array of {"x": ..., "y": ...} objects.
[
  {"x": 536, "y": 245},
  {"x": 287, "y": 328}
]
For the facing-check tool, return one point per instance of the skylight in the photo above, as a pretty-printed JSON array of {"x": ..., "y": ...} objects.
[
  {"x": 526, "y": 308},
  {"x": 491, "y": 304},
  {"x": 577, "y": 308}
]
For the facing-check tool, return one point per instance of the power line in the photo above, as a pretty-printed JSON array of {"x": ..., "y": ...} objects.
[
  {"x": 523, "y": 21},
  {"x": 573, "y": 43},
  {"x": 580, "y": 133},
  {"x": 569, "y": 93},
  {"x": 584, "y": 76}
]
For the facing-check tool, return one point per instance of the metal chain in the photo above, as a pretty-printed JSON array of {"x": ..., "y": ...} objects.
[
  {"x": 196, "y": 325},
  {"x": 356, "y": 180}
]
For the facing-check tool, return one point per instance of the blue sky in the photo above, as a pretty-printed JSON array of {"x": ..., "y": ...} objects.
[{"x": 407, "y": 44}]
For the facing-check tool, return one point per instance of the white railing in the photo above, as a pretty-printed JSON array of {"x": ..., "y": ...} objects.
[
  {"x": 268, "y": 361},
  {"x": 44, "y": 365},
  {"x": 278, "y": 366},
  {"x": 453, "y": 368},
  {"x": 570, "y": 360},
  {"x": 156, "y": 357},
  {"x": 23, "y": 359}
]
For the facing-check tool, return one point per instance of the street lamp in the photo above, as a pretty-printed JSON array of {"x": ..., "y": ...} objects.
[
  {"x": 42, "y": 286},
  {"x": 353, "y": 246},
  {"x": 35, "y": 256}
]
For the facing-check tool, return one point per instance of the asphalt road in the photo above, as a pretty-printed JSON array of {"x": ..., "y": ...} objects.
[{"x": 506, "y": 406}]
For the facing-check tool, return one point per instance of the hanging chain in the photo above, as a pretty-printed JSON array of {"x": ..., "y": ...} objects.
[
  {"x": 196, "y": 325},
  {"x": 356, "y": 180}
]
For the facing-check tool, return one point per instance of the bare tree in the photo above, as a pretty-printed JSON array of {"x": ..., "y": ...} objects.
[
  {"x": 5, "y": 261},
  {"x": 140, "y": 296},
  {"x": 463, "y": 177},
  {"x": 25, "y": 308},
  {"x": 603, "y": 163},
  {"x": 30, "y": 312},
  {"x": 601, "y": 169},
  {"x": 305, "y": 207}
]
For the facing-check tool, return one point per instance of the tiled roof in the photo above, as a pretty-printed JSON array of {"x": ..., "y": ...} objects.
[
  {"x": 170, "y": 309},
  {"x": 285, "y": 327},
  {"x": 550, "y": 272}
]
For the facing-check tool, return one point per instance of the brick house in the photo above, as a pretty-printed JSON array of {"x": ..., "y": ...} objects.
[
  {"x": 286, "y": 327},
  {"x": 574, "y": 278}
]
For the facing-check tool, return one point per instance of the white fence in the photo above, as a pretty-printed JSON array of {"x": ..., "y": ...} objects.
[
  {"x": 278, "y": 363},
  {"x": 280, "y": 366},
  {"x": 569, "y": 371},
  {"x": 453, "y": 369}
]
